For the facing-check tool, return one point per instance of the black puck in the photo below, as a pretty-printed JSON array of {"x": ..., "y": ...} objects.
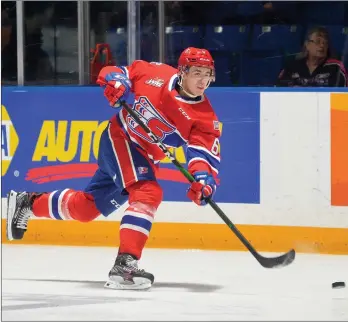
[{"x": 338, "y": 285}]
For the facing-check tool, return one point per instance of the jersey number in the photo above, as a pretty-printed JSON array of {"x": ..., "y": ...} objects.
[
  {"x": 148, "y": 114},
  {"x": 215, "y": 149}
]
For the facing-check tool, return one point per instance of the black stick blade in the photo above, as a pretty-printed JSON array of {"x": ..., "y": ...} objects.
[{"x": 275, "y": 262}]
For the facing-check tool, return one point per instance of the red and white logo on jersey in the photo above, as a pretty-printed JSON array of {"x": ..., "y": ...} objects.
[
  {"x": 152, "y": 118},
  {"x": 157, "y": 82},
  {"x": 143, "y": 170}
]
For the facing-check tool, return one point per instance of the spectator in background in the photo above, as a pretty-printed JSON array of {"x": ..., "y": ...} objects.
[
  {"x": 316, "y": 66},
  {"x": 271, "y": 15},
  {"x": 8, "y": 14},
  {"x": 37, "y": 66},
  {"x": 174, "y": 13},
  {"x": 254, "y": 12},
  {"x": 189, "y": 13},
  {"x": 6, "y": 27}
]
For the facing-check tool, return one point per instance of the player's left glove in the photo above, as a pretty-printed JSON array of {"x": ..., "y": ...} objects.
[
  {"x": 202, "y": 189},
  {"x": 117, "y": 86}
]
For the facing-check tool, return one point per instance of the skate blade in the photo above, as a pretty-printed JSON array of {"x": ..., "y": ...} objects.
[
  {"x": 118, "y": 283},
  {"x": 11, "y": 206}
]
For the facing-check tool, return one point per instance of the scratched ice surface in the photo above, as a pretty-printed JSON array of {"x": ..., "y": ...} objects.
[{"x": 43, "y": 283}]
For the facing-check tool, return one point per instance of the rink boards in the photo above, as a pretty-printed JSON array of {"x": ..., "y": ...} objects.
[{"x": 284, "y": 172}]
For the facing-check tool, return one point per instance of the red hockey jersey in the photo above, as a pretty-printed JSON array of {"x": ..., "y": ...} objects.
[{"x": 176, "y": 120}]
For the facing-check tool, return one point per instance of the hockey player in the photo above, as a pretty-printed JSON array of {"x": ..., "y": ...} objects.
[{"x": 173, "y": 104}]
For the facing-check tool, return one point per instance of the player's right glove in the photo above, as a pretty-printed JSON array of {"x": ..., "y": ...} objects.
[
  {"x": 202, "y": 189},
  {"x": 116, "y": 86}
]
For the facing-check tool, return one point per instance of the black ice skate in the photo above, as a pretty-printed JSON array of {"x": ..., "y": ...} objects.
[
  {"x": 19, "y": 210},
  {"x": 125, "y": 275}
]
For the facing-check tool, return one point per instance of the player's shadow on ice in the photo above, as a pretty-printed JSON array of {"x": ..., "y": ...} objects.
[{"x": 192, "y": 287}]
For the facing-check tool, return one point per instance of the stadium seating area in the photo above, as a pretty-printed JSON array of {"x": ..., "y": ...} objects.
[
  {"x": 253, "y": 54},
  {"x": 250, "y": 40},
  {"x": 243, "y": 54}
]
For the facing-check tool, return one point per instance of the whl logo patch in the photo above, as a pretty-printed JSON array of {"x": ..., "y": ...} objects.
[
  {"x": 9, "y": 140},
  {"x": 157, "y": 82}
]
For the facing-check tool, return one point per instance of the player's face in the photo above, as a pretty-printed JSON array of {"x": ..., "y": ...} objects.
[{"x": 196, "y": 80}]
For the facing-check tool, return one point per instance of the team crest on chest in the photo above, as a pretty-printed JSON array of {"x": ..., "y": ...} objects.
[{"x": 152, "y": 118}]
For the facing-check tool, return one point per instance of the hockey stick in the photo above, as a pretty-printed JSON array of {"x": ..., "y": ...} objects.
[{"x": 268, "y": 262}]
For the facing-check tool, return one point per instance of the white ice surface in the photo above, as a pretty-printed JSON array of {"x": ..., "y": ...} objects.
[{"x": 43, "y": 283}]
